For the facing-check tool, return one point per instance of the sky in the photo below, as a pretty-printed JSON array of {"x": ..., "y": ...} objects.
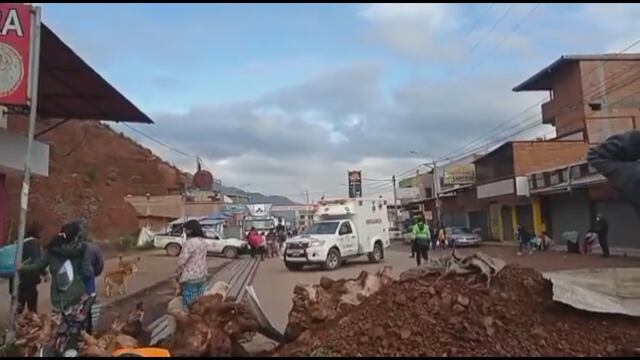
[{"x": 283, "y": 99}]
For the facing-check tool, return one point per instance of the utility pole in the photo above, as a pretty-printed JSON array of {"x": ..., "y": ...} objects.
[
  {"x": 436, "y": 188},
  {"x": 306, "y": 222},
  {"x": 395, "y": 200},
  {"x": 34, "y": 67}
]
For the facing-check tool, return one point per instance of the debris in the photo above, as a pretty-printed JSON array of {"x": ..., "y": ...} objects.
[{"x": 514, "y": 316}]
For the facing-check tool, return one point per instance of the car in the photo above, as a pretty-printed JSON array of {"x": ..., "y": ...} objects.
[
  {"x": 462, "y": 236},
  {"x": 395, "y": 233},
  {"x": 408, "y": 237},
  {"x": 216, "y": 244}
]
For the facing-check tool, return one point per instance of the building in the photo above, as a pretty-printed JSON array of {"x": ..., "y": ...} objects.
[
  {"x": 156, "y": 212},
  {"x": 502, "y": 183},
  {"x": 414, "y": 193},
  {"x": 294, "y": 215},
  {"x": 592, "y": 98}
]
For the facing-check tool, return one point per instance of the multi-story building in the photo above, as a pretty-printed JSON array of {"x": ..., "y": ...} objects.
[{"x": 591, "y": 98}]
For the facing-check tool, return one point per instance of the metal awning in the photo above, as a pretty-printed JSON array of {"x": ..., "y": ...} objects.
[{"x": 71, "y": 89}]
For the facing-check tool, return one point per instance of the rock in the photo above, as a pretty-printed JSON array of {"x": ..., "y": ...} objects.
[
  {"x": 431, "y": 291},
  {"x": 463, "y": 300},
  {"x": 528, "y": 282},
  {"x": 405, "y": 334},
  {"x": 457, "y": 308},
  {"x": 487, "y": 321},
  {"x": 504, "y": 296},
  {"x": 490, "y": 331},
  {"x": 378, "y": 332},
  {"x": 611, "y": 348},
  {"x": 539, "y": 332},
  {"x": 401, "y": 299},
  {"x": 446, "y": 301},
  {"x": 364, "y": 339}
]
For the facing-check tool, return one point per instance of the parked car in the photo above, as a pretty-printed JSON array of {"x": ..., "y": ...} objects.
[
  {"x": 216, "y": 243},
  {"x": 395, "y": 234},
  {"x": 408, "y": 237},
  {"x": 462, "y": 236}
]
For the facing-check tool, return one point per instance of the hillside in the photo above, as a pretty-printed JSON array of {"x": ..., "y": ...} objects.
[
  {"x": 258, "y": 198},
  {"x": 91, "y": 169}
]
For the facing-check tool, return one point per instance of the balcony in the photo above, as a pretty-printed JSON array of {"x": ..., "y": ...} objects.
[{"x": 549, "y": 111}]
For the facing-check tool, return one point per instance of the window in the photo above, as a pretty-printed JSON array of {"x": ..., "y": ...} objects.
[
  {"x": 323, "y": 228},
  {"x": 211, "y": 235},
  {"x": 345, "y": 228}
]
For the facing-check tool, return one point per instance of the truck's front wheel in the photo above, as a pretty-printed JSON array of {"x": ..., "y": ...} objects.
[
  {"x": 376, "y": 255},
  {"x": 333, "y": 260},
  {"x": 293, "y": 266},
  {"x": 173, "y": 249}
]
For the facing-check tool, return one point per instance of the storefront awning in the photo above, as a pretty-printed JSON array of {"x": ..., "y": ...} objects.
[{"x": 71, "y": 89}]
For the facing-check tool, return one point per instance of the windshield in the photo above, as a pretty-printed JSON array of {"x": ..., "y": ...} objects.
[
  {"x": 323, "y": 228},
  {"x": 459, "y": 231},
  {"x": 259, "y": 224}
]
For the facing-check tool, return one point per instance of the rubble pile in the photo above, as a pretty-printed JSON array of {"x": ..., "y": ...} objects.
[
  {"x": 33, "y": 331},
  {"x": 466, "y": 315},
  {"x": 318, "y": 304},
  {"x": 213, "y": 327}
]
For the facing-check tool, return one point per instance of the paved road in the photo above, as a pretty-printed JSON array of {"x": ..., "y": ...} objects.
[{"x": 154, "y": 267}]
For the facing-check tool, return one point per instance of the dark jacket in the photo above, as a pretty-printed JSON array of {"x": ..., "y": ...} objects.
[
  {"x": 94, "y": 256},
  {"x": 617, "y": 159},
  {"x": 57, "y": 253},
  {"x": 31, "y": 252}
]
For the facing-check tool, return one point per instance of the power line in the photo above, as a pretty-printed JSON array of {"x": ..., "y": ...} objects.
[
  {"x": 495, "y": 25},
  {"x": 578, "y": 101},
  {"x": 515, "y": 28},
  {"x": 159, "y": 141}
]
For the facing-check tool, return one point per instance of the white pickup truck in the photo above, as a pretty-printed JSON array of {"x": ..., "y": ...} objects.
[
  {"x": 216, "y": 244},
  {"x": 347, "y": 228}
]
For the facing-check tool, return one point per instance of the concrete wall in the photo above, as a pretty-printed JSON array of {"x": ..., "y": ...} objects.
[{"x": 535, "y": 156}]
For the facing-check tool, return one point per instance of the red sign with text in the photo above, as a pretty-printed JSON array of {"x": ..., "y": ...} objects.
[{"x": 15, "y": 53}]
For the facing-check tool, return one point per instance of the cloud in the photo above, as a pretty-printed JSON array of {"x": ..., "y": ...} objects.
[
  {"x": 413, "y": 30},
  {"x": 435, "y": 15},
  {"x": 308, "y": 135}
]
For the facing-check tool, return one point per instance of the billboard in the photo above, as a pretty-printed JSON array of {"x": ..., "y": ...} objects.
[
  {"x": 15, "y": 53},
  {"x": 410, "y": 193},
  {"x": 355, "y": 184},
  {"x": 460, "y": 174}
]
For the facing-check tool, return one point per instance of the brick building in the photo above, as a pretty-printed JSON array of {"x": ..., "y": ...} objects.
[
  {"x": 592, "y": 98},
  {"x": 502, "y": 183}
]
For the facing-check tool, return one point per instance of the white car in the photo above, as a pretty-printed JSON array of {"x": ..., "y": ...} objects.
[
  {"x": 395, "y": 234},
  {"x": 216, "y": 244}
]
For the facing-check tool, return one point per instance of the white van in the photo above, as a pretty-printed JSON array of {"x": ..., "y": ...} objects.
[{"x": 346, "y": 229}]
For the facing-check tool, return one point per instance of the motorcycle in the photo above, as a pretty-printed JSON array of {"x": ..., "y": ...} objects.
[{"x": 73, "y": 320}]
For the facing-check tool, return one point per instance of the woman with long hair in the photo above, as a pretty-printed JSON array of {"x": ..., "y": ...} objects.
[{"x": 192, "y": 264}]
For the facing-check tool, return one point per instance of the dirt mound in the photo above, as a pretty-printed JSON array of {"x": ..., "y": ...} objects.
[
  {"x": 515, "y": 316},
  {"x": 91, "y": 169}
]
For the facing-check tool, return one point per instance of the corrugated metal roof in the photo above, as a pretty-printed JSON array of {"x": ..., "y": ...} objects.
[
  {"x": 71, "y": 89},
  {"x": 541, "y": 80}
]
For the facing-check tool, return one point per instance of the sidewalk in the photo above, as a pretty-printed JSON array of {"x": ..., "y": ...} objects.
[{"x": 154, "y": 267}]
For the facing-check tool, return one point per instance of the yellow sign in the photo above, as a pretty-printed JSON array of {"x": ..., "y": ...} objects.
[{"x": 460, "y": 174}]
